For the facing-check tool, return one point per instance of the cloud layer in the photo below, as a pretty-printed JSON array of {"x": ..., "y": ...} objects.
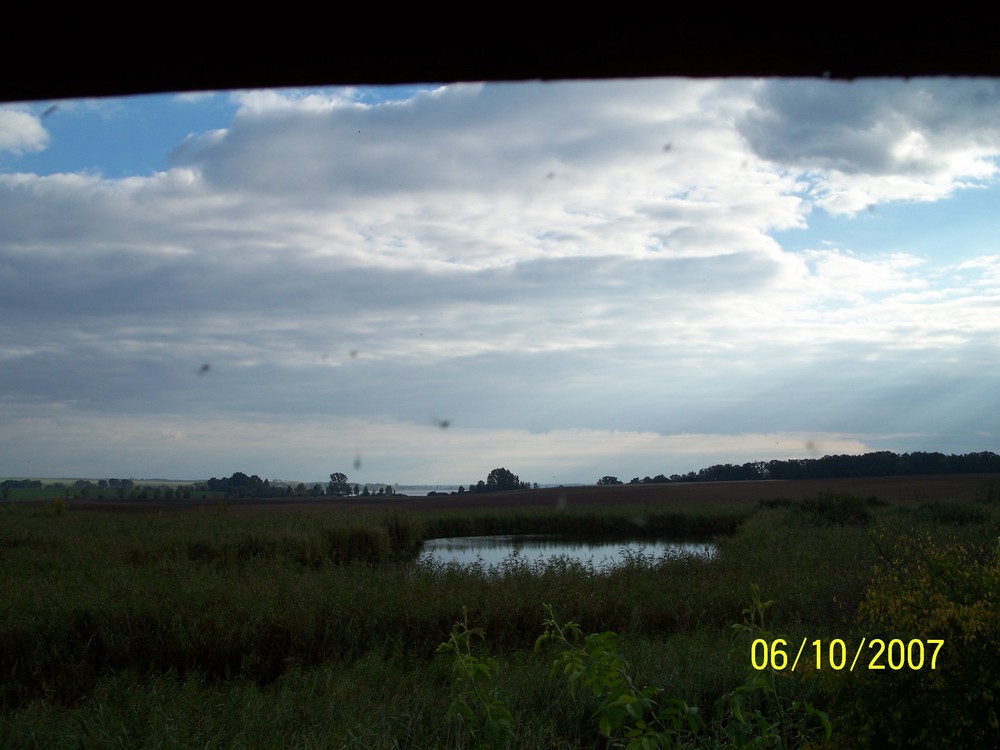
[{"x": 531, "y": 262}]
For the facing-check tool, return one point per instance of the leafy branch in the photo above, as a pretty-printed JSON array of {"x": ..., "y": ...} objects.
[{"x": 475, "y": 697}]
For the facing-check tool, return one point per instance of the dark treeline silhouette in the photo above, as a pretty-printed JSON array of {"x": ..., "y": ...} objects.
[
  {"x": 499, "y": 480},
  {"x": 17, "y": 484},
  {"x": 239, "y": 485},
  {"x": 878, "y": 464},
  {"x": 21, "y": 483}
]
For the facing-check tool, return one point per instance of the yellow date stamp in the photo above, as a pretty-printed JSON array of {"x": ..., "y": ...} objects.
[{"x": 895, "y": 654}]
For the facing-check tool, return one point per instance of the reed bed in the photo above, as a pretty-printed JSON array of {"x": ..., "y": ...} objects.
[{"x": 320, "y": 630}]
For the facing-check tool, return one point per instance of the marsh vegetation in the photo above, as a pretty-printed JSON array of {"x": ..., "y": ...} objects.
[{"x": 318, "y": 628}]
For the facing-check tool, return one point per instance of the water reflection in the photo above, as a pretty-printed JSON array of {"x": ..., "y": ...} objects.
[{"x": 492, "y": 550}]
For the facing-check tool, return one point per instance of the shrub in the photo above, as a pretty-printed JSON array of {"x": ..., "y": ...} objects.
[
  {"x": 841, "y": 508},
  {"x": 775, "y": 502},
  {"x": 925, "y": 591},
  {"x": 958, "y": 514}
]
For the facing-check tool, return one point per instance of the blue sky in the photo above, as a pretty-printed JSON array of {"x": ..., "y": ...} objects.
[
  {"x": 578, "y": 278},
  {"x": 118, "y": 138}
]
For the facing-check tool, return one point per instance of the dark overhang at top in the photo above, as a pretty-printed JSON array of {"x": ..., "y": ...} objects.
[{"x": 48, "y": 55}]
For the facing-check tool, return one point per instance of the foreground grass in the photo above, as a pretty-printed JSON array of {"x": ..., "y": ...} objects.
[{"x": 289, "y": 630}]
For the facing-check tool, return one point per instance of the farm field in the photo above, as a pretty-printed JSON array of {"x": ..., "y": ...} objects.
[
  {"x": 966, "y": 487},
  {"x": 313, "y": 625}
]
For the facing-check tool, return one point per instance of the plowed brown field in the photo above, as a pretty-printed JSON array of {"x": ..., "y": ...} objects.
[{"x": 910, "y": 488}]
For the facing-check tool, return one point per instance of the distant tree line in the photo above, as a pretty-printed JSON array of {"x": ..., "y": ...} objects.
[
  {"x": 499, "y": 480},
  {"x": 16, "y": 484},
  {"x": 101, "y": 489},
  {"x": 239, "y": 485},
  {"x": 878, "y": 464}
]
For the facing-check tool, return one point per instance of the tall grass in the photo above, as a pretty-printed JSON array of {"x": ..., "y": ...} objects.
[{"x": 320, "y": 630}]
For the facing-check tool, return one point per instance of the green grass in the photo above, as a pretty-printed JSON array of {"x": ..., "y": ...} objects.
[
  {"x": 317, "y": 630},
  {"x": 16, "y": 494}
]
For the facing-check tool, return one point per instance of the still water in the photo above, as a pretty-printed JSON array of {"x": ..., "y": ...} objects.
[{"x": 492, "y": 550}]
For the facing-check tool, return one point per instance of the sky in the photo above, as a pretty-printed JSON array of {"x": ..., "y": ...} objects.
[{"x": 569, "y": 279}]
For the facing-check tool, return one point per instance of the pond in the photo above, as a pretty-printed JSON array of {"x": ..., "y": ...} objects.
[{"x": 492, "y": 550}]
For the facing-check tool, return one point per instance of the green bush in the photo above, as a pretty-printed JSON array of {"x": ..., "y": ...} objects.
[
  {"x": 926, "y": 590},
  {"x": 958, "y": 514},
  {"x": 775, "y": 502},
  {"x": 842, "y": 508}
]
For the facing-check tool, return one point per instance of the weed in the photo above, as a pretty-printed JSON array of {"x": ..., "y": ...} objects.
[
  {"x": 476, "y": 700},
  {"x": 759, "y": 713},
  {"x": 626, "y": 716}
]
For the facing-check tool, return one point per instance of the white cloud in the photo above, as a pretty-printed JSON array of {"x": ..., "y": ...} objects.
[
  {"x": 563, "y": 270},
  {"x": 385, "y": 450},
  {"x": 194, "y": 97},
  {"x": 988, "y": 268},
  {"x": 21, "y": 132},
  {"x": 867, "y": 142},
  {"x": 268, "y": 101}
]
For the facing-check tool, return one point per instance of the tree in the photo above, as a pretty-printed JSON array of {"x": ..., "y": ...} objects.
[
  {"x": 501, "y": 480},
  {"x": 609, "y": 480},
  {"x": 338, "y": 485}
]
